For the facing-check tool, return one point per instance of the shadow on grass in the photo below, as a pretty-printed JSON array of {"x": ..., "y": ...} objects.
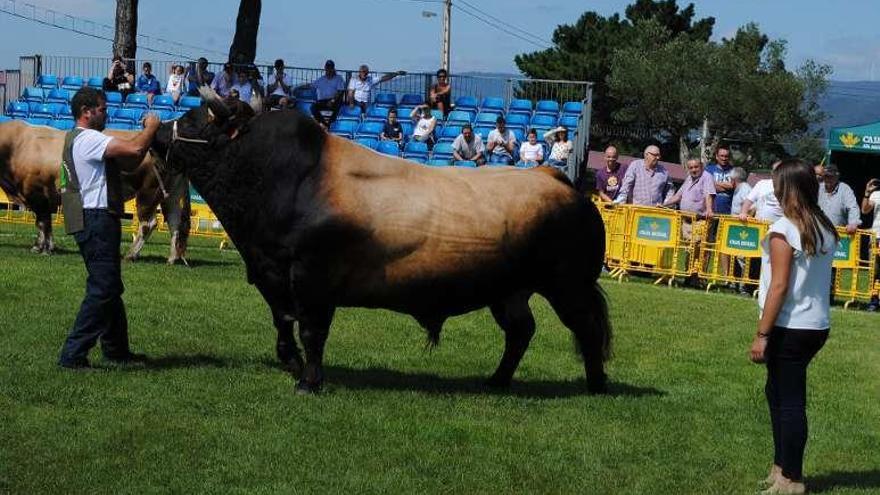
[
  {"x": 152, "y": 259},
  {"x": 385, "y": 379},
  {"x": 175, "y": 361},
  {"x": 844, "y": 479}
]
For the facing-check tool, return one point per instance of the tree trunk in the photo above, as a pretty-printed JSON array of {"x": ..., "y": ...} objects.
[
  {"x": 683, "y": 151},
  {"x": 125, "y": 40},
  {"x": 244, "y": 44}
]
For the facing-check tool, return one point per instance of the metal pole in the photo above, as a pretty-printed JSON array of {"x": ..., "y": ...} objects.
[{"x": 447, "y": 21}]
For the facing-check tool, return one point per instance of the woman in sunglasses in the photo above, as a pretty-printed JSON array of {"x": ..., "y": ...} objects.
[{"x": 441, "y": 93}]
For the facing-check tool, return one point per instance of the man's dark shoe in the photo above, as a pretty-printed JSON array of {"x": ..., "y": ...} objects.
[
  {"x": 872, "y": 307},
  {"x": 77, "y": 365}
]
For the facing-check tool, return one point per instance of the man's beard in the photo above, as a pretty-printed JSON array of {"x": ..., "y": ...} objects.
[{"x": 97, "y": 123}]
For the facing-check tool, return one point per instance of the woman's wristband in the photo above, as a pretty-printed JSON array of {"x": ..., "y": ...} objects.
[{"x": 763, "y": 335}]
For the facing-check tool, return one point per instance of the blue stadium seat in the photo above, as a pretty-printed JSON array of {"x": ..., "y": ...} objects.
[
  {"x": 569, "y": 121},
  {"x": 18, "y": 109},
  {"x": 439, "y": 162},
  {"x": 304, "y": 107},
  {"x": 403, "y": 112},
  {"x": 120, "y": 126},
  {"x": 114, "y": 99},
  {"x": 58, "y": 96},
  {"x": 368, "y": 142},
  {"x": 38, "y": 121},
  {"x": 442, "y": 151},
  {"x": 63, "y": 124},
  {"x": 368, "y": 129},
  {"x": 343, "y": 128},
  {"x": 492, "y": 103},
  {"x": 385, "y": 100},
  {"x": 305, "y": 94},
  {"x": 136, "y": 100},
  {"x": 416, "y": 149},
  {"x": 448, "y": 133},
  {"x": 519, "y": 134},
  {"x": 65, "y": 111},
  {"x": 46, "y": 110},
  {"x": 517, "y": 119},
  {"x": 520, "y": 106},
  {"x": 33, "y": 95},
  {"x": 407, "y": 127},
  {"x": 96, "y": 82},
  {"x": 483, "y": 131},
  {"x": 163, "y": 102},
  {"x": 33, "y": 107},
  {"x": 465, "y": 102},
  {"x": 129, "y": 116},
  {"x": 486, "y": 118},
  {"x": 377, "y": 114},
  {"x": 459, "y": 117},
  {"x": 541, "y": 130},
  {"x": 411, "y": 100},
  {"x": 417, "y": 159},
  {"x": 466, "y": 163},
  {"x": 350, "y": 113},
  {"x": 437, "y": 115},
  {"x": 388, "y": 148},
  {"x": 163, "y": 114},
  {"x": 543, "y": 120},
  {"x": 5, "y": 118},
  {"x": 572, "y": 108},
  {"x": 72, "y": 83},
  {"x": 178, "y": 114},
  {"x": 547, "y": 107},
  {"x": 189, "y": 102},
  {"x": 47, "y": 81}
]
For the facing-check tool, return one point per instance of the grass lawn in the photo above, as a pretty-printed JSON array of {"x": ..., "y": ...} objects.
[{"x": 215, "y": 414}]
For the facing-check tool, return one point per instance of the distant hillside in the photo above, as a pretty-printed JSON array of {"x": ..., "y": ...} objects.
[{"x": 851, "y": 103}]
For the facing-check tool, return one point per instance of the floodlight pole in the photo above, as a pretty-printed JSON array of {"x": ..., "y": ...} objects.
[{"x": 447, "y": 25}]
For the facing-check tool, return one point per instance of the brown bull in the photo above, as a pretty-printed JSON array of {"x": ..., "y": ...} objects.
[
  {"x": 29, "y": 165},
  {"x": 323, "y": 223}
]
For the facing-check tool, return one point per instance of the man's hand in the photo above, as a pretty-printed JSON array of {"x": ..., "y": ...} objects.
[
  {"x": 743, "y": 217},
  {"x": 151, "y": 121},
  {"x": 851, "y": 228}
]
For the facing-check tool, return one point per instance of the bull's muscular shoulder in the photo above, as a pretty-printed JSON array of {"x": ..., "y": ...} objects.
[{"x": 555, "y": 173}]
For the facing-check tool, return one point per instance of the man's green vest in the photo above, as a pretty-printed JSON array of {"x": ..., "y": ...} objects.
[{"x": 71, "y": 197}]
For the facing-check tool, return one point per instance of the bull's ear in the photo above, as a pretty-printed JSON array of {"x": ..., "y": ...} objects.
[{"x": 216, "y": 108}]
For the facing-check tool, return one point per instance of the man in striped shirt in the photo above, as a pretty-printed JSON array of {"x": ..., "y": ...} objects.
[{"x": 646, "y": 180}]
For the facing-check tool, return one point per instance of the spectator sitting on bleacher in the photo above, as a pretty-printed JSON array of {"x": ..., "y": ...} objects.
[
  {"x": 531, "y": 153},
  {"x": 175, "y": 82},
  {"x": 560, "y": 146},
  {"x": 610, "y": 177},
  {"x": 440, "y": 95},
  {"x": 646, "y": 181},
  {"x": 501, "y": 142},
  {"x": 247, "y": 84},
  {"x": 392, "y": 130},
  {"x": 330, "y": 90},
  {"x": 279, "y": 87},
  {"x": 224, "y": 82},
  {"x": 425, "y": 124},
  {"x": 147, "y": 83},
  {"x": 119, "y": 78},
  {"x": 360, "y": 87},
  {"x": 197, "y": 76},
  {"x": 468, "y": 146}
]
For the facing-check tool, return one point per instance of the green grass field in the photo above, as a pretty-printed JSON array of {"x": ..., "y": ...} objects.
[{"x": 213, "y": 413}]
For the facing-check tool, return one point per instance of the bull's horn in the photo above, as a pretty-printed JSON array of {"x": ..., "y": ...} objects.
[
  {"x": 256, "y": 104},
  {"x": 215, "y": 104}
]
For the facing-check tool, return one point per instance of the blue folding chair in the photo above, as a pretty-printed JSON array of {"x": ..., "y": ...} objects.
[
  {"x": 130, "y": 116},
  {"x": 439, "y": 162},
  {"x": 466, "y": 164},
  {"x": 369, "y": 129},
  {"x": 120, "y": 126},
  {"x": 416, "y": 149},
  {"x": 517, "y": 119},
  {"x": 57, "y": 95},
  {"x": 547, "y": 107},
  {"x": 38, "y": 121},
  {"x": 46, "y": 111},
  {"x": 189, "y": 102},
  {"x": 368, "y": 142},
  {"x": 487, "y": 118},
  {"x": 349, "y": 113},
  {"x": 47, "y": 81},
  {"x": 343, "y": 128},
  {"x": 18, "y": 109},
  {"x": 96, "y": 83},
  {"x": 5, "y": 118},
  {"x": 520, "y": 106},
  {"x": 114, "y": 99},
  {"x": 543, "y": 120},
  {"x": 72, "y": 83},
  {"x": 483, "y": 131},
  {"x": 33, "y": 95},
  {"x": 442, "y": 151},
  {"x": 569, "y": 121},
  {"x": 305, "y": 94},
  {"x": 459, "y": 117},
  {"x": 572, "y": 108},
  {"x": 466, "y": 102},
  {"x": 163, "y": 102},
  {"x": 411, "y": 100},
  {"x": 304, "y": 107},
  {"x": 388, "y": 148},
  {"x": 63, "y": 124},
  {"x": 136, "y": 100},
  {"x": 448, "y": 133},
  {"x": 376, "y": 114}
]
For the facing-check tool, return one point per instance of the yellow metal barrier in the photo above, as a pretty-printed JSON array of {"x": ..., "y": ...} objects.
[
  {"x": 733, "y": 255},
  {"x": 854, "y": 267}
]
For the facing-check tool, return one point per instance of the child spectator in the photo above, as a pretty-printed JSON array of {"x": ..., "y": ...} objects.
[
  {"x": 175, "y": 83},
  {"x": 392, "y": 131},
  {"x": 531, "y": 153},
  {"x": 147, "y": 83}
]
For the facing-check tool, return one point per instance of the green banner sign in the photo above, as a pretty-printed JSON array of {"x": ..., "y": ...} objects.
[
  {"x": 743, "y": 237},
  {"x": 194, "y": 196},
  {"x": 844, "y": 249},
  {"x": 654, "y": 228}
]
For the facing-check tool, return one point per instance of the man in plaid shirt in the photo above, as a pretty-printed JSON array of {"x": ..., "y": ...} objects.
[{"x": 646, "y": 180}]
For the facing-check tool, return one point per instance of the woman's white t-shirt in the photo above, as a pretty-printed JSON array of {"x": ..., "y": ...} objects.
[
  {"x": 874, "y": 199},
  {"x": 763, "y": 197},
  {"x": 529, "y": 152},
  {"x": 423, "y": 127},
  {"x": 807, "y": 303}
]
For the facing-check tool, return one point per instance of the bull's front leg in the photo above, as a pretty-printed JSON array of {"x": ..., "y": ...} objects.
[
  {"x": 314, "y": 326},
  {"x": 285, "y": 346},
  {"x": 44, "y": 242},
  {"x": 146, "y": 226}
]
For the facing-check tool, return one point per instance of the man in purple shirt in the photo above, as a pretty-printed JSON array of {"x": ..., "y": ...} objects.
[
  {"x": 610, "y": 177},
  {"x": 697, "y": 194},
  {"x": 645, "y": 181}
]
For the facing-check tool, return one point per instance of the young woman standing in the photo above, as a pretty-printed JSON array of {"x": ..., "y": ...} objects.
[{"x": 794, "y": 324}]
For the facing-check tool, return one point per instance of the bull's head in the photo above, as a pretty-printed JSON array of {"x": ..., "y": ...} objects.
[{"x": 210, "y": 126}]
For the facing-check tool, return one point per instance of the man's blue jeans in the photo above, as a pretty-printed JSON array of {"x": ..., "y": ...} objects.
[{"x": 102, "y": 313}]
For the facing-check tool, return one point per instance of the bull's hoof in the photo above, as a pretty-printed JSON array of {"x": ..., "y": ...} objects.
[
  {"x": 597, "y": 385},
  {"x": 36, "y": 249},
  {"x": 305, "y": 388},
  {"x": 498, "y": 383},
  {"x": 294, "y": 365}
]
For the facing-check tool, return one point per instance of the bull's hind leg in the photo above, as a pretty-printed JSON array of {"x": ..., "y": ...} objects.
[
  {"x": 285, "y": 345},
  {"x": 582, "y": 308},
  {"x": 146, "y": 226},
  {"x": 514, "y": 317},
  {"x": 314, "y": 326},
  {"x": 44, "y": 242}
]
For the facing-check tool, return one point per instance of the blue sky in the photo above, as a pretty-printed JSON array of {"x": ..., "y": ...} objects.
[{"x": 392, "y": 34}]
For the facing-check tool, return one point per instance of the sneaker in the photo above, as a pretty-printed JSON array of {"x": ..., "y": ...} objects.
[{"x": 76, "y": 365}]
